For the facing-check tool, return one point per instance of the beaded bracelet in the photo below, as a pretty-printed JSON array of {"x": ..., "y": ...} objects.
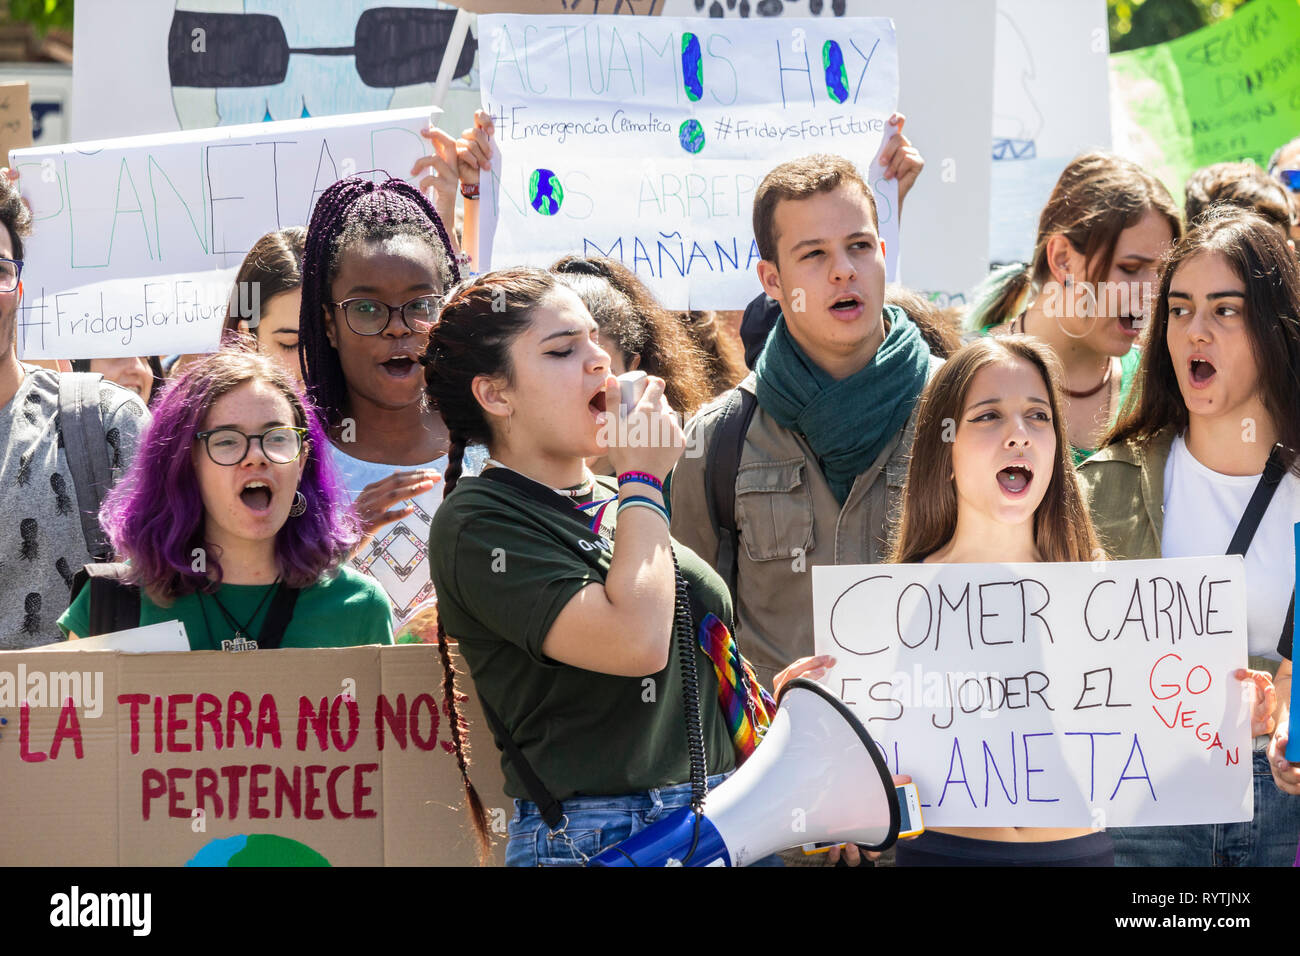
[
  {"x": 644, "y": 477},
  {"x": 643, "y": 503}
]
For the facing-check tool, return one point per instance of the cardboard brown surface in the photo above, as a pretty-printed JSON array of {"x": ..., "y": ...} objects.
[
  {"x": 15, "y": 119},
  {"x": 106, "y": 795}
]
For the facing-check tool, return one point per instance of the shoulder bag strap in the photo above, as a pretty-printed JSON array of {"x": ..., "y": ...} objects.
[
  {"x": 278, "y": 616},
  {"x": 86, "y": 449},
  {"x": 720, "y": 471},
  {"x": 552, "y": 812},
  {"x": 1258, "y": 504},
  {"x": 114, "y": 604}
]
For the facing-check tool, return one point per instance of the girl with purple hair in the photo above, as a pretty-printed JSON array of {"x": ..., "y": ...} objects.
[{"x": 231, "y": 519}]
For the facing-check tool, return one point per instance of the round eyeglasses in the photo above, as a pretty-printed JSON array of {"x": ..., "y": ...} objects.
[
  {"x": 229, "y": 446},
  {"x": 371, "y": 317}
]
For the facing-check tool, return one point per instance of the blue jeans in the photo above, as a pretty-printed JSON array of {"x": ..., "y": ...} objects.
[
  {"x": 594, "y": 824},
  {"x": 1267, "y": 840}
]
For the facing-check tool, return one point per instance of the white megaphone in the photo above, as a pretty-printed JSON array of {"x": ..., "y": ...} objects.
[{"x": 816, "y": 777}]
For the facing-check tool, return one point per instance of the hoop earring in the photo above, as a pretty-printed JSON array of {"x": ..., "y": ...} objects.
[{"x": 299, "y": 506}]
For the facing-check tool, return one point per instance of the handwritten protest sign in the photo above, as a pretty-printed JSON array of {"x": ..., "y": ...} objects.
[
  {"x": 287, "y": 757},
  {"x": 644, "y": 139},
  {"x": 15, "y": 118},
  {"x": 1059, "y": 695},
  {"x": 136, "y": 240},
  {"x": 1228, "y": 91}
]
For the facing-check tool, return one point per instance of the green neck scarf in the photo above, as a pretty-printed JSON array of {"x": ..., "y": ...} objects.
[{"x": 847, "y": 422}]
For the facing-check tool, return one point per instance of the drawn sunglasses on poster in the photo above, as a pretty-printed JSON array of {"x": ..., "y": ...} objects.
[{"x": 393, "y": 46}]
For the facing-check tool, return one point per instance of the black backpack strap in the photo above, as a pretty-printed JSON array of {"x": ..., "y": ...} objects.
[
  {"x": 278, "y": 616},
  {"x": 552, "y": 812},
  {"x": 86, "y": 448},
  {"x": 114, "y": 604},
  {"x": 1274, "y": 469},
  {"x": 720, "y": 470}
]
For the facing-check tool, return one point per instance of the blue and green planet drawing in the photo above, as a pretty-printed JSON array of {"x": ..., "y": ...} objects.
[
  {"x": 257, "y": 849},
  {"x": 545, "y": 192}
]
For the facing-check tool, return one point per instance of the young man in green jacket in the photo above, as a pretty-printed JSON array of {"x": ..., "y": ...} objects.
[{"x": 824, "y": 457}]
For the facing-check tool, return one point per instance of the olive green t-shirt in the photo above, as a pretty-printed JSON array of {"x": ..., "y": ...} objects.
[
  {"x": 342, "y": 610},
  {"x": 504, "y": 565}
]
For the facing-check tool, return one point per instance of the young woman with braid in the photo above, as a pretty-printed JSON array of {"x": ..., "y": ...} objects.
[
  {"x": 374, "y": 270},
  {"x": 560, "y": 586},
  {"x": 1100, "y": 238}
]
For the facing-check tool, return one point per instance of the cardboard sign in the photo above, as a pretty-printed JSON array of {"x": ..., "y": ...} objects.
[
  {"x": 1229, "y": 91},
  {"x": 1049, "y": 695},
  {"x": 15, "y": 118},
  {"x": 645, "y": 141},
  {"x": 136, "y": 241},
  {"x": 314, "y": 757}
]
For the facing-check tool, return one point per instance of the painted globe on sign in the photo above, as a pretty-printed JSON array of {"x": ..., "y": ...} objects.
[
  {"x": 545, "y": 192},
  {"x": 691, "y": 135},
  {"x": 257, "y": 849}
]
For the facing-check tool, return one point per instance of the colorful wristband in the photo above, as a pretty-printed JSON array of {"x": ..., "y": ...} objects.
[
  {"x": 469, "y": 190},
  {"x": 644, "y": 477},
  {"x": 643, "y": 503}
]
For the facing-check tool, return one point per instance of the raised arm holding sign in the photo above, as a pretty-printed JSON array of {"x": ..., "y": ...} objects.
[{"x": 645, "y": 143}]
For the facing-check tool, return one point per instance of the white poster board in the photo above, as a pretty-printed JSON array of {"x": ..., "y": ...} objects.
[
  {"x": 136, "y": 241},
  {"x": 1050, "y": 695},
  {"x": 645, "y": 142},
  {"x": 1051, "y": 102},
  {"x": 946, "y": 90}
]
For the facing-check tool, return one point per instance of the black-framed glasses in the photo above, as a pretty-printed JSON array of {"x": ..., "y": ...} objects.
[
  {"x": 371, "y": 316},
  {"x": 11, "y": 270},
  {"x": 229, "y": 446},
  {"x": 392, "y": 46}
]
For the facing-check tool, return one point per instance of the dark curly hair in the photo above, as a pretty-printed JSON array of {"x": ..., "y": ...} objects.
[
  {"x": 15, "y": 215},
  {"x": 355, "y": 210},
  {"x": 628, "y": 313}
]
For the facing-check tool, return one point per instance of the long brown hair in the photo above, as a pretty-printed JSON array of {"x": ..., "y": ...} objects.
[
  {"x": 1098, "y": 196},
  {"x": 724, "y": 356},
  {"x": 472, "y": 337},
  {"x": 273, "y": 266},
  {"x": 628, "y": 313},
  {"x": 1062, "y": 527},
  {"x": 1260, "y": 258}
]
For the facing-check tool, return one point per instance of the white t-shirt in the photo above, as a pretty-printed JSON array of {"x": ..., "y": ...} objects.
[
  {"x": 398, "y": 556},
  {"x": 1202, "y": 510}
]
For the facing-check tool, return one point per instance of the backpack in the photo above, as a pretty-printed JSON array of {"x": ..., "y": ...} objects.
[
  {"x": 86, "y": 447},
  {"x": 720, "y": 470}
]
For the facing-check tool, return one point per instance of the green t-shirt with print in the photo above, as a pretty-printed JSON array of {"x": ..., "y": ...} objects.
[
  {"x": 346, "y": 609},
  {"x": 504, "y": 565}
]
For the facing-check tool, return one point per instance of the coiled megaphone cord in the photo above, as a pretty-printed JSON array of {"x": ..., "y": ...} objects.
[{"x": 684, "y": 634}]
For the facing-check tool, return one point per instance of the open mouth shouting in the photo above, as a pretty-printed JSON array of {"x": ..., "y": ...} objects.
[
  {"x": 847, "y": 306},
  {"x": 1130, "y": 325},
  {"x": 1200, "y": 371},
  {"x": 400, "y": 365},
  {"x": 597, "y": 402},
  {"x": 1015, "y": 479},
  {"x": 256, "y": 495}
]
